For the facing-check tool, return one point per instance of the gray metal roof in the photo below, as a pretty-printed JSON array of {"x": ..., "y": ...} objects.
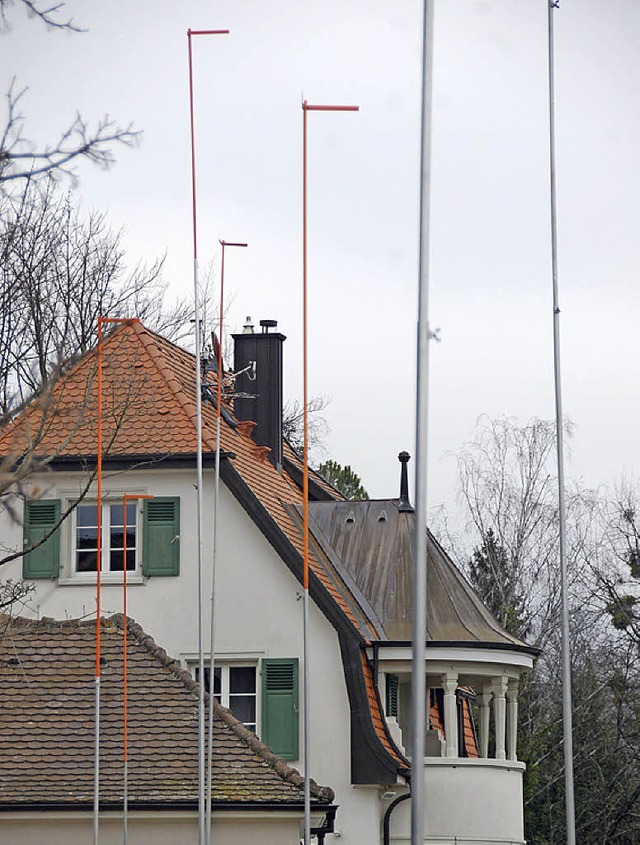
[{"x": 373, "y": 542}]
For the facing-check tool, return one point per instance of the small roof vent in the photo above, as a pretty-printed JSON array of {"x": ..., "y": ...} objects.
[
  {"x": 383, "y": 516},
  {"x": 350, "y": 518}
]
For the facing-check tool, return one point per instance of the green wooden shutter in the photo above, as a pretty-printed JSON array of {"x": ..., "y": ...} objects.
[
  {"x": 392, "y": 695},
  {"x": 161, "y": 536},
  {"x": 280, "y": 706},
  {"x": 40, "y": 516}
]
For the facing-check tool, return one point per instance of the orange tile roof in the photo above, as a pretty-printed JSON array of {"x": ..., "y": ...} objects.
[
  {"x": 377, "y": 716},
  {"x": 468, "y": 741},
  {"x": 469, "y": 735},
  {"x": 149, "y": 410}
]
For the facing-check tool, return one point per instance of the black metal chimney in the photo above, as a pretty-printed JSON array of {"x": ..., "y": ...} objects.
[
  {"x": 260, "y": 385},
  {"x": 404, "y": 505}
]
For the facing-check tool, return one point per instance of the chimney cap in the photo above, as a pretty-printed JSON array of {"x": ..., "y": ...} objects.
[
  {"x": 268, "y": 324},
  {"x": 248, "y": 326}
]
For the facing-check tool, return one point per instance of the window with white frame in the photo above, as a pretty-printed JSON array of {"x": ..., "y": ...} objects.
[
  {"x": 85, "y": 537},
  {"x": 234, "y": 686}
]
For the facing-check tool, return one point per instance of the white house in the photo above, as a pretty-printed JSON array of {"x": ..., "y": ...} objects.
[{"x": 360, "y": 584}]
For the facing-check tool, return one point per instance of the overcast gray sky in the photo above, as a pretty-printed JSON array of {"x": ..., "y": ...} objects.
[{"x": 490, "y": 281}]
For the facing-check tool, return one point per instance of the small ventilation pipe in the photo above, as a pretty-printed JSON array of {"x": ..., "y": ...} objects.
[{"x": 404, "y": 505}]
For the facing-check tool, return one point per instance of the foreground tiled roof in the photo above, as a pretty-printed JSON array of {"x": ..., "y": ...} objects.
[{"x": 47, "y": 693}]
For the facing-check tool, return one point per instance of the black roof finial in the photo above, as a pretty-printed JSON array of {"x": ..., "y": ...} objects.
[{"x": 404, "y": 506}]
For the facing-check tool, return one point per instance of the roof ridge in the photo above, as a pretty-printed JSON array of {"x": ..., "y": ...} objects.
[{"x": 286, "y": 772}]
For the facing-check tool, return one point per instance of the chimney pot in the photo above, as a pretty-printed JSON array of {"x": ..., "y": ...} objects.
[{"x": 248, "y": 326}]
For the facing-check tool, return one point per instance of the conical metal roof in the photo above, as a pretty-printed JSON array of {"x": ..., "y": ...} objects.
[{"x": 373, "y": 542}]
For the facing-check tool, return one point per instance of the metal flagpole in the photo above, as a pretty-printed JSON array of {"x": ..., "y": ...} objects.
[
  {"x": 216, "y": 494},
  {"x": 567, "y": 708},
  {"x": 96, "y": 762},
  {"x": 125, "y": 747},
  {"x": 418, "y": 669},
  {"x": 306, "y": 107},
  {"x": 196, "y": 305}
]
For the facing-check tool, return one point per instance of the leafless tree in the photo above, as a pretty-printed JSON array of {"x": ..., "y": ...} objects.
[
  {"x": 58, "y": 273},
  {"x": 292, "y": 424},
  {"x": 51, "y": 15},
  {"x": 508, "y": 542},
  {"x": 22, "y": 160}
]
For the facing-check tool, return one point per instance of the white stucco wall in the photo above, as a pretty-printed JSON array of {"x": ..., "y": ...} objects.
[
  {"x": 160, "y": 829},
  {"x": 467, "y": 801}
]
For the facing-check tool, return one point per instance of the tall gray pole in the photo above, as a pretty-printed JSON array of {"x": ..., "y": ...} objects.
[
  {"x": 567, "y": 709},
  {"x": 419, "y": 684}
]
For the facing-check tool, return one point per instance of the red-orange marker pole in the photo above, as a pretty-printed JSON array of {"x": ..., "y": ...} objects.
[{"x": 307, "y": 107}]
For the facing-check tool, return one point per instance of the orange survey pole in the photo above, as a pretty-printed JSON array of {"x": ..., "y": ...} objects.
[
  {"x": 96, "y": 772},
  {"x": 307, "y": 107},
  {"x": 125, "y": 750},
  {"x": 202, "y": 835}
]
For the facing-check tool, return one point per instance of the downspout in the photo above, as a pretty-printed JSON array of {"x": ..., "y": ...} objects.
[
  {"x": 327, "y": 827},
  {"x": 386, "y": 823}
]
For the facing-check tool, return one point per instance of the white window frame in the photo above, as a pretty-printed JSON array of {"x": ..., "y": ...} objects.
[
  {"x": 106, "y": 540},
  {"x": 224, "y": 663}
]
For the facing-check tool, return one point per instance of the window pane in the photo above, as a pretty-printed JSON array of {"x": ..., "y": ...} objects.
[
  {"x": 206, "y": 679},
  {"x": 242, "y": 679},
  {"x": 87, "y": 538},
  {"x": 87, "y": 515},
  {"x": 117, "y": 538},
  {"x": 86, "y": 561},
  {"x": 117, "y": 513},
  {"x": 243, "y": 707},
  {"x": 115, "y": 560},
  {"x": 131, "y": 559}
]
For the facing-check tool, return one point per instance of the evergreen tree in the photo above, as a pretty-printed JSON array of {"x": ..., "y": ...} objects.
[{"x": 343, "y": 479}]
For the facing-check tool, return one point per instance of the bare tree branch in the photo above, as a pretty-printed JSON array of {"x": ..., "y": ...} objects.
[
  {"x": 21, "y": 160},
  {"x": 49, "y": 15}
]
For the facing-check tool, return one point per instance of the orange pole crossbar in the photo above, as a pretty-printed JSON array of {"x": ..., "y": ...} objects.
[
  {"x": 208, "y": 32},
  {"x": 309, "y": 107}
]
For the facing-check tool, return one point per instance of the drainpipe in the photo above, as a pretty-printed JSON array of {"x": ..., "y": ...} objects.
[{"x": 386, "y": 823}]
